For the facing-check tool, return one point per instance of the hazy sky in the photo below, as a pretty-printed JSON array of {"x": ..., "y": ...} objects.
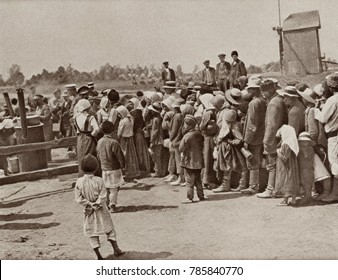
[{"x": 88, "y": 34}]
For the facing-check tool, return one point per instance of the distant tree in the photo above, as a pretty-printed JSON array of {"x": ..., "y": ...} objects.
[
  {"x": 16, "y": 77},
  {"x": 252, "y": 69}
]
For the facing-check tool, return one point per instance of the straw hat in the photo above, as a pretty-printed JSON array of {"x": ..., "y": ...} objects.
[
  {"x": 290, "y": 91},
  {"x": 155, "y": 107},
  {"x": 308, "y": 95},
  {"x": 234, "y": 96}
]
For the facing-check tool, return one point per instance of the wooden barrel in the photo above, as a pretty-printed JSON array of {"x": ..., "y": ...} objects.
[{"x": 32, "y": 160}]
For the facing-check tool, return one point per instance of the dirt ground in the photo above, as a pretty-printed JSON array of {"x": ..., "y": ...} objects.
[{"x": 41, "y": 220}]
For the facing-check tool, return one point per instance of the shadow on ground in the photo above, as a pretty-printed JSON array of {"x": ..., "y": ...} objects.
[
  {"x": 14, "y": 217},
  {"x": 137, "y": 208},
  {"x": 139, "y": 187},
  {"x": 23, "y": 226},
  {"x": 224, "y": 196},
  {"x": 132, "y": 255},
  {"x": 20, "y": 201}
]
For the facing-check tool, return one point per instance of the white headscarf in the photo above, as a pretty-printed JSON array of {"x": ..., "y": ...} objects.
[
  {"x": 288, "y": 135},
  {"x": 83, "y": 105}
]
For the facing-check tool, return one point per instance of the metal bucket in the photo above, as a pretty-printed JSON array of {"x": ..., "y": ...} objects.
[{"x": 13, "y": 164}]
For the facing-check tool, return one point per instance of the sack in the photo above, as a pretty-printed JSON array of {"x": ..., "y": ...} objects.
[{"x": 211, "y": 128}]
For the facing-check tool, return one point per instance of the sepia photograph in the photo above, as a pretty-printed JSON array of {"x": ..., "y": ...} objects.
[{"x": 168, "y": 130}]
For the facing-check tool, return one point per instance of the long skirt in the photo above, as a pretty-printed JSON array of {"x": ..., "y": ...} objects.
[
  {"x": 48, "y": 135},
  {"x": 86, "y": 144},
  {"x": 209, "y": 174},
  {"x": 142, "y": 151},
  {"x": 129, "y": 150}
]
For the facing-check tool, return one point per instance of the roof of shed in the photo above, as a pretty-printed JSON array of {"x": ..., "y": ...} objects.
[{"x": 302, "y": 20}]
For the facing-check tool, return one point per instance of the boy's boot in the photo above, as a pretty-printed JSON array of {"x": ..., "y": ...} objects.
[
  {"x": 117, "y": 250},
  {"x": 254, "y": 183},
  {"x": 327, "y": 185},
  {"x": 97, "y": 253},
  {"x": 268, "y": 193},
  {"x": 243, "y": 182}
]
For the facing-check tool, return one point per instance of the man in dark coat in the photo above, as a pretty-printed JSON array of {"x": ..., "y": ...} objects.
[
  {"x": 65, "y": 126},
  {"x": 296, "y": 109},
  {"x": 253, "y": 135},
  {"x": 208, "y": 75},
  {"x": 276, "y": 116},
  {"x": 223, "y": 69},
  {"x": 237, "y": 70},
  {"x": 168, "y": 74},
  {"x": 191, "y": 147}
]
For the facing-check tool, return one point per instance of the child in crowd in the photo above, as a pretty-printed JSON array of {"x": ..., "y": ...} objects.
[
  {"x": 191, "y": 148},
  {"x": 91, "y": 193},
  {"x": 112, "y": 162}
]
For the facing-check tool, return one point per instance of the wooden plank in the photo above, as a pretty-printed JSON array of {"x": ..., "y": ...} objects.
[
  {"x": 40, "y": 174},
  {"x": 30, "y": 147}
]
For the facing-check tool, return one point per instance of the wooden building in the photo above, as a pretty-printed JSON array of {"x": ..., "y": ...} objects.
[{"x": 301, "y": 48}]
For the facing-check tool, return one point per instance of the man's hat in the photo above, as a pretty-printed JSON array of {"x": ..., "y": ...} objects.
[
  {"x": 290, "y": 91},
  {"x": 156, "y": 107},
  {"x": 206, "y": 61},
  {"x": 332, "y": 80},
  {"x": 113, "y": 95},
  {"x": 165, "y": 63},
  {"x": 234, "y": 96},
  {"x": 253, "y": 83},
  {"x": 275, "y": 81},
  {"x": 267, "y": 85},
  {"x": 89, "y": 164},
  {"x": 301, "y": 86},
  {"x": 38, "y": 96},
  {"x": 105, "y": 91},
  {"x": 190, "y": 120},
  {"x": 221, "y": 55},
  {"x": 308, "y": 95},
  {"x": 91, "y": 84},
  {"x": 191, "y": 85},
  {"x": 83, "y": 90},
  {"x": 70, "y": 86},
  {"x": 234, "y": 53}
]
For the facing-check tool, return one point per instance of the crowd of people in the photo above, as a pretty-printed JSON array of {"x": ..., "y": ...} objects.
[{"x": 219, "y": 134}]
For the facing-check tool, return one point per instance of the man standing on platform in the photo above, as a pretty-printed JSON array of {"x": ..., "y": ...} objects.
[
  {"x": 237, "y": 70},
  {"x": 208, "y": 75},
  {"x": 222, "y": 73},
  {"x": 168, "y": 74}
]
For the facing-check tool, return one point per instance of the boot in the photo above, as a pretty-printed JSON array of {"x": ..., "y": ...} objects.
[
  {"x": 327, "y": 184},
  {"x": 178, "y": 182},
  {"x": 225, "y": 187},
  {"x": 307, "y": 196},
  {"x": 254, "y": 183},
  {"x": 117, "y": 250},
  {"x": 243, "y": 182},
  {"x": 268, "y": 193},
  {"x": 98, "y": 254},
  {"x": 333, "y": 197}
]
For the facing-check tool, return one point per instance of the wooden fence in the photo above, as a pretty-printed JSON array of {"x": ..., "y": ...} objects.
[{"x": 43, "y": 173}]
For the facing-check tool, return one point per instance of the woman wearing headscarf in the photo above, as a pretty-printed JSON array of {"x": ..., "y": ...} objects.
[
  {"x": 125, "y": 135},
  {"x": 103, "y": 113},
  {"x": 287, "y": 166},
  {"x": 87, "y": 129},
  {"x": 140, "y": 143},
  {"x": 208, "y": 127}
]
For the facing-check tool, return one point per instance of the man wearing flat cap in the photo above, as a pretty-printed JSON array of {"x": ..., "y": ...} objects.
[
  {"x": 276, "y": 116},
  {"x": 222, "y": 73},
  {"x": 208, "y": 75},
  {"x": 237, "y": 69},
  {"x": 168, "y": 74},
  {"x": 329, "y": 117}
]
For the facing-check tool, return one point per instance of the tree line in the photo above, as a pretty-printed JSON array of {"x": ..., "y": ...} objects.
[{"x": 137, "y": 74}]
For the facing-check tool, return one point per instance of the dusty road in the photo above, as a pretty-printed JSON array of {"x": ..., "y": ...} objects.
[{"x": 42, "y": 221}]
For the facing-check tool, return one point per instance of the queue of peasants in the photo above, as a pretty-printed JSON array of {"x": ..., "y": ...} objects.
[{"x": 226, "y": 133}]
